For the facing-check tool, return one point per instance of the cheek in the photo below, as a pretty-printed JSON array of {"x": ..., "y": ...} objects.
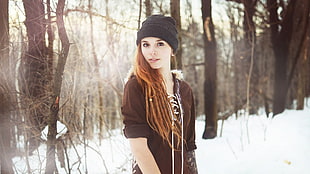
[
  {"x": 167, "y": 54},
  {"x": 144, "y": 52}
]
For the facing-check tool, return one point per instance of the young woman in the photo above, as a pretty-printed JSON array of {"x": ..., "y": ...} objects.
[{"x": 158, "y": 107}]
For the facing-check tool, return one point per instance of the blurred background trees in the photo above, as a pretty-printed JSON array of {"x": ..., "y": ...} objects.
[
  {"x": 240, "y": 57},
  {"x": 6, "y": 94}
]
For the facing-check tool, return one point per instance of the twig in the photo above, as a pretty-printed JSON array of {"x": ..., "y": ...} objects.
[
  {"x": 232, "y": 150},
  {"x": 248, "y": 87}
]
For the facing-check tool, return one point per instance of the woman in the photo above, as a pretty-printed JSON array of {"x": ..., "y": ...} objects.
[{"x": 158, "y": 107}]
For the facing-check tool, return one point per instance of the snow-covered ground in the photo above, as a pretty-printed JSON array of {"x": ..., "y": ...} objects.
[
  {"x": 258, "y": 145},
  {"x": 248, "y": 145}
]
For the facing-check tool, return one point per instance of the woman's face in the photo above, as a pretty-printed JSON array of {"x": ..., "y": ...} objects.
[{"x": 156, "y": 52}]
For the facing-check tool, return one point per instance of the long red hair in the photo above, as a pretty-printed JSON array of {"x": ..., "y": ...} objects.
[{"x": 159, "y": 111}]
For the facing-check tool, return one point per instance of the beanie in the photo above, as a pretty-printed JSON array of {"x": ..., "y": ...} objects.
[{"x": 159, "y": 26}]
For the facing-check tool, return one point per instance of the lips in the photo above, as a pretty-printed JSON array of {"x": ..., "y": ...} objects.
[{"x": 153, "y": 60}]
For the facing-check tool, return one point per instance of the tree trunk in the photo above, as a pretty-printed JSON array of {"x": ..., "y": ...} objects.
[
  {"x": 56, "y": 89},
  {"x": 236, "y": 61},
  {"x": 5, "y": 102},
  {"x": 4, "y": 28},
  {"x": 303, "y": 71},
  {"x": 51, "y": 38},
  {"x": 34, "y": 71},
  {"x": 5, "y": 132},
  {"x": 5, "y": 124},
  {"x": 280, "y": 44},
  {"x": 148, "y": 7},
  {"x": 210, "y": 72},
  {"x": 251, "y": 61},
  {"x": 301, "y": 86},
  {"x": 286, "y": 47},
  {"x": 175, "y": 13},
  {"x": 97, "y": 73},
  {"x": 248, "y": 64}
]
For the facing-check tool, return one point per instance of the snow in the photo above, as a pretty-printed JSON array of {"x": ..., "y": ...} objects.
[
  {"x": 251, "y": 144},
  {"x": 279, "y": 146},
  {"x": 61, "y": 129}
]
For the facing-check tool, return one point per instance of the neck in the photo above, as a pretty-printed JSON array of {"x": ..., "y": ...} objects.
[
  {"x": 168, "y": 80},
  {"x": 167, "y": 75}
]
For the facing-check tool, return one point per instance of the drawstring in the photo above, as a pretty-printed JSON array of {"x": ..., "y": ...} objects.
[
  {"x": 172, "y": 151},
  {"x": 182, "y": 123},
  {"x": 179, "y": 105},
  {"x": 173, "y": 103}
]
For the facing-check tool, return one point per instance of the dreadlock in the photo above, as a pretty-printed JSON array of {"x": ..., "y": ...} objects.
[{"x": 159, "y": 111}]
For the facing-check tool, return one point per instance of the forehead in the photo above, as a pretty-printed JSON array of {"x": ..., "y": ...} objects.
[{"x": 151, "y": 39}]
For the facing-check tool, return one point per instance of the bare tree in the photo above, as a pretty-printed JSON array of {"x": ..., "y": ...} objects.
[
  {"x": 287, "y": 37},
  {"x": 5, "y": 130},
  {"x": 96, "y": 62},
  {"x": 210, "y": 71},
  {"x": 5, "y": 98},
  {"x": 56, "y": 89},
  {"x": 302, "y": 73},
  {"x": 234, "y": 16},
  {"x": 175, "y": 13},
  {"x": 251, "y": 60},
  {"x": 34, "y": 72},
  {"x": 302, "y": 76},
  {"x": 248, "y": 65},
  {"x": 148, "y": 7}
]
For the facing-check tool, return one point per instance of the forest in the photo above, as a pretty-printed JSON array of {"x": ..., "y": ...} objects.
[{"x": 66, "y": 62}]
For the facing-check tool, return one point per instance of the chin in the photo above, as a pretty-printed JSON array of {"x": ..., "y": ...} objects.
[{"x": 155, "y": 67}]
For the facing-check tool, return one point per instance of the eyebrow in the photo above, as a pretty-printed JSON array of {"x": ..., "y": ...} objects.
[{"x": 156, "y": 40}]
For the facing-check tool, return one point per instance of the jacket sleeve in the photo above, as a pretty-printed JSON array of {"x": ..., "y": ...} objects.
[
  {"x": 133, "y": 111},
  {"x": 191, "y": 145}
]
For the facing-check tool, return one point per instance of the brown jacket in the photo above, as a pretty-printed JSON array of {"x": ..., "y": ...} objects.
[{"x": 134, "y": 119}]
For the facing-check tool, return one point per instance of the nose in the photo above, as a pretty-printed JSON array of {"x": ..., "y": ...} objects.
[{"x": 153, "y": 51}]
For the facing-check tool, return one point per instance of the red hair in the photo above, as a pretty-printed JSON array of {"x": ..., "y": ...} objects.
[{"x": 159, "y": 112}]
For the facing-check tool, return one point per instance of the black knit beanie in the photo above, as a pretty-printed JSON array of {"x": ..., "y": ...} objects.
[{"x": 159, "y": 26}]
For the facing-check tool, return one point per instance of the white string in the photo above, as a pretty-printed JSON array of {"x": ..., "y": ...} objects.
[
  {"x": 172, "y": 151},
  {"x": 182, "y": 132},
  {"x": 182, "y": 146},
  {"x": 172, "y": 111},
  {"x": 175, "y": 106},
  {"x": 170, "y": 97},
  {"x": 178, "y": 96}
]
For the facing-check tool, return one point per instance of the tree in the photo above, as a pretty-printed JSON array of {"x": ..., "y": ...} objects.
[
  {"x": 288, "y": 32},
  {"x": 302, "y": 73},
  {"x": 251, "y": 61},
  {"x": 34, "y": 72},
  {"x": 248, "y": 64},
  {"x": 5, "y": 100},
  {"x": 56, "y": 89},
  {"x": 175, "y": 13},
  {"x": 39, "y": 84},
  {"x": 97, "y": 68},
  {"x": 210, "y": 71},
  {"x": 148, "y": 7}
]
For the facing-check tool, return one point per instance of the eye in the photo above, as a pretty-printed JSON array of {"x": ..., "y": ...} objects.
[
  {"x": 160, "y": 44},
  {"x": 145, "y": 44}
]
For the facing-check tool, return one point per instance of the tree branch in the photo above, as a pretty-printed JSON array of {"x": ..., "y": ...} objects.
[{"x": 113, "y": 21}]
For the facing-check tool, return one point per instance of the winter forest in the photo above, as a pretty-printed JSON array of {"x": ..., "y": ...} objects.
[{"x": 63, "y": 66}]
